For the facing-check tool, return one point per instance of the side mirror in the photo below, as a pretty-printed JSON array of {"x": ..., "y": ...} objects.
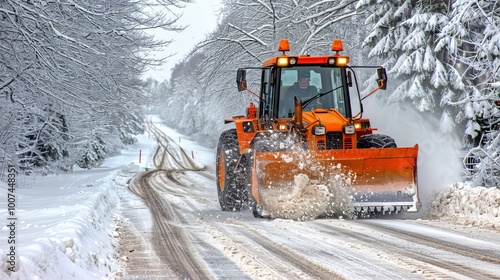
[
  {"x": 497, "y": 103},
  {"x": 382, "y": 78},
  {"x": 241, "y": 79}
]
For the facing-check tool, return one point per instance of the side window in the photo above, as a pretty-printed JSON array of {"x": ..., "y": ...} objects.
[{"x": 338, "y": 95}]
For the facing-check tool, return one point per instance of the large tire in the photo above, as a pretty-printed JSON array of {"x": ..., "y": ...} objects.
[
  {"x": 376, "y": 141},
  {"x": 257, "y": 211},
  {"x": 231, "y": 173}
]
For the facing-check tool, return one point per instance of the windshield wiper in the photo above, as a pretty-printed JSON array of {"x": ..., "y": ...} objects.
[{"x": 318, "y": 96}]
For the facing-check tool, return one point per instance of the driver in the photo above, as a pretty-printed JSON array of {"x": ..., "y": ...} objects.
[{"x": 301, "y": 89}]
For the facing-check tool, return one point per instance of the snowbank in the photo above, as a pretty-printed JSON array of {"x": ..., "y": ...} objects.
[
  {"x": 467, "y": 205},
  {"x": 66, "y": 225},
  {"x": 64, "y": 228}
]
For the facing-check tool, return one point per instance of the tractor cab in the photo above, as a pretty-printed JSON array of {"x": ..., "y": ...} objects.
[{"x": 320, "y": 82}]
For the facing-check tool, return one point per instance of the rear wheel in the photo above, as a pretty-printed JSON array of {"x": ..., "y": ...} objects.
[
  {"x": 231, "y": 173},
  {"x": 376, "y": 141},
  {"x": 257, "y": 211}
]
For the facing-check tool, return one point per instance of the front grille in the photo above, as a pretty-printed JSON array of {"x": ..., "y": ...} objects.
[
  {"x": 321, "y": 144},
  {"x": 348, "y": 143},
  {"x": 334, "y": 140}
]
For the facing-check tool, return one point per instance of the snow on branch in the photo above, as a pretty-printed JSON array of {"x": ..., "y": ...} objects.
[
  {"x": 327, "y": 13},
  {"x": 78, "y": 42},
  {"x": 248, "y": 34}
]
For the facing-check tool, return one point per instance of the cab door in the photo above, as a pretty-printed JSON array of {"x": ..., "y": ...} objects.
[{"x": 269, "y": 101}]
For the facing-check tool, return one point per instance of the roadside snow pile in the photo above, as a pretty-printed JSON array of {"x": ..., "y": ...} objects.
[
  {"x": 66, "y": 225},
  {"x": 467, "y": 205}
]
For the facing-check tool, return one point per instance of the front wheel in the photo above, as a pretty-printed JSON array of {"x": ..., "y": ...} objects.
[
  {"x": 231, "y": 173},
  {"x": 257, "y": 211},
  {"x": 376, "y": 141}
]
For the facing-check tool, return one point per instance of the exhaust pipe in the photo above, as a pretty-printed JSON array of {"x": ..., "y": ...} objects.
[{"x": 298, "y": 112}]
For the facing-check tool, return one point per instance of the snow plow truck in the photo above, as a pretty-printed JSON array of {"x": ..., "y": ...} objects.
[{"x": 308, "y": 131}]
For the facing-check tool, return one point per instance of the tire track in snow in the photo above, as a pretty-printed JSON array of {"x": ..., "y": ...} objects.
[
  {"x": 327, "y": 251},
  {"x": 411, "y": 253},
  {"x": 171, "y": 242},
  {"x": 135, "y": 248},
  {"x": 169, "y": 238},
  {"x": 168, "y": 155},
  {"x": 487, "y": 255},
  {"x": 286, "y": 254}
]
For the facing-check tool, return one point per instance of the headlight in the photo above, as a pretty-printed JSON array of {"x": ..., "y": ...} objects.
[
  {"x": 319, "y": 130},
  {"x": 282, "y": 127},
  {"x": 342, "y": 61},
  {"x": 349, "y": 129},
  {"x": 282, "y": 61}
]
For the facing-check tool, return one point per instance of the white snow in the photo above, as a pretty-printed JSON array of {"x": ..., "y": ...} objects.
[
  {"x": 66, "y": 223},
  {"x": 319, "y": 189},
  {"x": 466, "y": 205},
  {"x": 65, "y": 226},
  {"x": 303, "y": 200}
]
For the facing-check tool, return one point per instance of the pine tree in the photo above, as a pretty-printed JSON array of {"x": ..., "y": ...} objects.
[
  {"x": 472, "y": 38},
  {"x": 404, "y": 39},
  {"x": 446, "y": 54}
]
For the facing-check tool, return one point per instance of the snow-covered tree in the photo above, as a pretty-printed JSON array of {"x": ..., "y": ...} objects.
[
  {"x": 472, "y": 39},
  {"x": 76, "y": 61},
  {"x": 446, "y": 56},
  {"x": 404, "y": 38}
]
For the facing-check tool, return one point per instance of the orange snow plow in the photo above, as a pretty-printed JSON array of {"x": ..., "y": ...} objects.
[
  {"x": 306, "y": 150},
  {"x": 379, "y": 180}
]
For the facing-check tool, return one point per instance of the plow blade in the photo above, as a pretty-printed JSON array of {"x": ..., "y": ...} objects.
[{"x": 378, "y": 179}]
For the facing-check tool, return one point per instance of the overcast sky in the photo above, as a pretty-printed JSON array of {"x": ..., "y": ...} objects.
[{"x": 200, "y": 18}]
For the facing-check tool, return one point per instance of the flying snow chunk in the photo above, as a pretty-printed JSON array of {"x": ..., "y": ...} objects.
[{"x": 304, "y": 200}]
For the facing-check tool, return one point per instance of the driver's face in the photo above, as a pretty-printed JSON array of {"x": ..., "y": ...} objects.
[{"x": 303, "y": 82}]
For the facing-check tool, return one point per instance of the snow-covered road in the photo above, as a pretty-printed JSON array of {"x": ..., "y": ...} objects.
[
  {"x": 127, "y": 219},
  {"x": 186, "y": 235}
]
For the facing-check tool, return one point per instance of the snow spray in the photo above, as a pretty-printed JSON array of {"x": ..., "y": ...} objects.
[{"x": 439, "y": 163}]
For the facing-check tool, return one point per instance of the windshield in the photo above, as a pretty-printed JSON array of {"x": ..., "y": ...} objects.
[{"x": 308, "y": 81}]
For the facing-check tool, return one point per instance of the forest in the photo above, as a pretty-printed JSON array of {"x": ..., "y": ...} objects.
[
  {"x": 70, "y": 79},
  {"x": 70, "y": 71}
]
